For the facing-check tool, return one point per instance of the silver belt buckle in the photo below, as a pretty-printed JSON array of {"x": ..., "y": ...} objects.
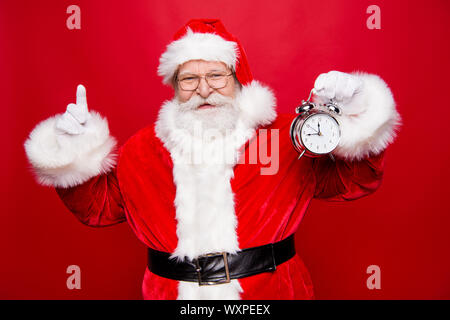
[{"x": 199, "y": 269}]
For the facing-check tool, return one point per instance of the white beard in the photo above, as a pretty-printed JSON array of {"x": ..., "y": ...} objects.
[
  {"x": 222, "y": 117},
  {"x": 204, "y": 199},
  {"x": 208, "y": 136},
  {"x": 203, "y": 167}
]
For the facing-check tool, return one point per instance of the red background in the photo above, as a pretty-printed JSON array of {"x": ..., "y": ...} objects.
[{"x": 403, "y": 227}]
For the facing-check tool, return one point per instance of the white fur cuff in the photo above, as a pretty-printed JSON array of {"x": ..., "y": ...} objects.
[
  {"x": 63, "y": 160},
  {"x": 369, "y": 121}
]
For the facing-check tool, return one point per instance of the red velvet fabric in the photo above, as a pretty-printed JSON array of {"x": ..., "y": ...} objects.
[{"x": 269, "y": 208}]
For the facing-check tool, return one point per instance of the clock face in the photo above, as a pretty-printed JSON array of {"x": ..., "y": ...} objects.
[{"x": 320, "y": 133}]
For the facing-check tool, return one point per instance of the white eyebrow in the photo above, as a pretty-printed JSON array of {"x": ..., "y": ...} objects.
[
  {"x": 217, "y": 70},
  {"x": 192, "y": 73},
  {"x": 186, "y": 72}
]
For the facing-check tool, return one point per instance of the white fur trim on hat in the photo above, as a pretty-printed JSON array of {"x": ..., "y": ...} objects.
[
  {"x": 257, "y": 104},
  {"x": 196, "y": 46},
  {"x": 369, "y": 121},
  {"x": 63, "y": 160}
]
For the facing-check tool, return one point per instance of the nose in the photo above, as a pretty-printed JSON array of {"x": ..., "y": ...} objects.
[{"x": 203, "y": 89}]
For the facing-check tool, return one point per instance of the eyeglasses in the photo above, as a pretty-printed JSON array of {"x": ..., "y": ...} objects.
[{"x": 216, "y": 80}]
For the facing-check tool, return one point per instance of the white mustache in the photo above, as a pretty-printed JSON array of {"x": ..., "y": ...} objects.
[{"x": 214, "y": 99}]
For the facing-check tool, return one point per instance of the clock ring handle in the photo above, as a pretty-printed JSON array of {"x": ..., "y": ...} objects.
[{"x": 307, "y": 105}]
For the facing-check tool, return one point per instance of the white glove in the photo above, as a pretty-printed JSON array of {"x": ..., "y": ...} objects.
[
  {"x": 337, "y": 85},
  {"x": 74, "y": 119}
]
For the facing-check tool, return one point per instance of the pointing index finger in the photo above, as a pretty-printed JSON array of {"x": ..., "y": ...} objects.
[{"x": 81, "y": 95}]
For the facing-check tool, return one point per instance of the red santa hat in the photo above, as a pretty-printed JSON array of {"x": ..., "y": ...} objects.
[
  {"x": 207, "y": 39},
  {"x": 204, "y": 39}
]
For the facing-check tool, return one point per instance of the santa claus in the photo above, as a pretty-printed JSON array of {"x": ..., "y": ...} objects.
[{"x": 216, "y": 227}]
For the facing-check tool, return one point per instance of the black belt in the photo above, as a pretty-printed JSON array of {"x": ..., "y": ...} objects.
[{"x": 217, "y": 268}]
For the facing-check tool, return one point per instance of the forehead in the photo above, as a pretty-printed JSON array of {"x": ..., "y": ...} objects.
[{"x": 202, "y": 66}]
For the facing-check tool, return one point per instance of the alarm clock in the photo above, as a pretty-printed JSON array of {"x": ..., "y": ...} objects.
[{"x": 315, "y": 132}]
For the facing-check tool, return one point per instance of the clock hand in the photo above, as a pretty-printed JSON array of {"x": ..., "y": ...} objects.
[
  {"x": 318, "y": 126},
  {"x": 312, "y": 128}
]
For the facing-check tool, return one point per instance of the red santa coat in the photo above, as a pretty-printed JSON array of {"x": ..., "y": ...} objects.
[
  {"x": 188, "y": 209},
  {"x": 268, "y": 208}
]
